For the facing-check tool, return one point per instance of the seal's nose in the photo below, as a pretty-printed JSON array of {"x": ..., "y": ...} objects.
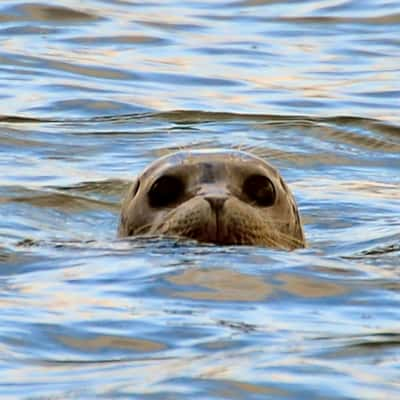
[{"x": 216, "y": 202}]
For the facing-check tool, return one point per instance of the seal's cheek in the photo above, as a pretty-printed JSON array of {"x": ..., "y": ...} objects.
[
  {"x": 136, "y": 218},
  {"x": 192, "y": 219}
]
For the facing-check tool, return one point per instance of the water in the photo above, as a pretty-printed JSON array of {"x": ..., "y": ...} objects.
[{"x": 91, "y": 92}]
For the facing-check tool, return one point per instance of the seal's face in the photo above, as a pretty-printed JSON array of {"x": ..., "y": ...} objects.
[{"x": 218, "y": 196}]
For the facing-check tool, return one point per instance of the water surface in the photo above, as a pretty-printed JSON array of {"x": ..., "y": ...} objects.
[{"x": 93, "y": 91}]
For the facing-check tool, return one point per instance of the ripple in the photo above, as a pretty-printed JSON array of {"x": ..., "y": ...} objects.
[
  {"x": 111, "y": 343},
  {"x": 95, "y": 91},
  {"x": 89, "y": 107},
  {"x": 120, "y": 40},
  {"x": 44, "y": 13},
  {"x": 170, "y": 26},
  {"x": 222, "y": 285},
  {"x": 60, "y": 201},
  {"x": 390, "y": 19},
  {"x": 27, "y": 30}
]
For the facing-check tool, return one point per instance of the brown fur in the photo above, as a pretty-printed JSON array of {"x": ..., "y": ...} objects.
[{"x": 230, "y": 217}]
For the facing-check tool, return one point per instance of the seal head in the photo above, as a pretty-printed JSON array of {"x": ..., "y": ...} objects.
[{"x": 226, "y": 197}]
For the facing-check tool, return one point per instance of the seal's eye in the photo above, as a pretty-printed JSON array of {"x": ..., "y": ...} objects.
[
  {"x": 259, "y": 188},
  {"x": 165, "y": 191}
]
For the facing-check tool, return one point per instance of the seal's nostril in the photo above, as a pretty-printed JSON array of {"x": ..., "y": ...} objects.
[{"x": 216, "y": 203}]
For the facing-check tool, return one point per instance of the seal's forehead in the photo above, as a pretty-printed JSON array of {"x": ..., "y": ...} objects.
[{"x": 193, "y": 157}]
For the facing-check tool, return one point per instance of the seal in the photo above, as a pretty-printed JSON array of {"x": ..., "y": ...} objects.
[{"x": 227, "y": 197}]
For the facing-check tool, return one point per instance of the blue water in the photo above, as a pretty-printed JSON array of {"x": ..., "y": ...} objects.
[{"x": 93, "y": 91}]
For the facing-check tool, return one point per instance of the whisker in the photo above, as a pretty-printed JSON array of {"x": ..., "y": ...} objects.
[{"x": 141, "y": 229}]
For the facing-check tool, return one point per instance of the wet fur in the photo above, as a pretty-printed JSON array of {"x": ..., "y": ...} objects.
[{"x": 239, "y": 223}]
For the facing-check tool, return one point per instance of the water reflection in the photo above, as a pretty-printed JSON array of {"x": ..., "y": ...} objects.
[
  {"x": 105, "y": 343},
  {"x": 42, "y": 12},
  {"x": 226, "y": 285},
  {"x": 92, "y": 92},
  {"x": 220, "y": 285},
  {"x": 268, "y": 58}
]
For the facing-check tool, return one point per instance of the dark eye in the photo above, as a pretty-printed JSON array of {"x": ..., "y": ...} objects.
[
  {"x": 166, "y": 190},
  {"x": 259, "y": 188}
]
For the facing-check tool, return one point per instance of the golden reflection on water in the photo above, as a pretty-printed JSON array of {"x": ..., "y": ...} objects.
[
  {"x": 251, "y": 389},
  {"x": 36, "y": 169},
  {"x": 309, "y": 287},
  {"x": 57, "y": 302},
  {"x": 40, "y": 12},
  {"x": 226, "y": 373},
  {"x": 221, "y": 285},
  {"x": 61, "y": 201},
  {"x": 292, "y": 64},
  {"x": 111, "y": 342},
  {"x": 352, "y": 190},
  {"x": 228, "y": 285}
]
